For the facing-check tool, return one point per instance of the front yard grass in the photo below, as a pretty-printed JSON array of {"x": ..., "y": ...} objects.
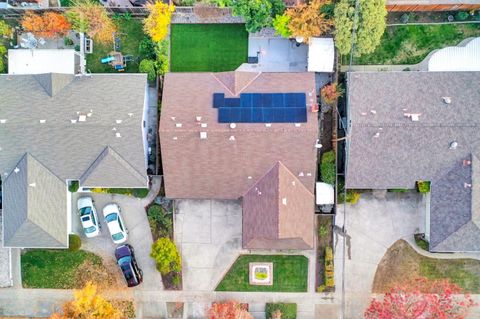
[
  {"x": 42, "y": 268},
  {"x": 208, "y": 47},
  {"x": 410, "y": 44},
  {"x": 290, "y": 274},
  {"x": 402, "y": 263},
  {"x": 131, "y": 34}
]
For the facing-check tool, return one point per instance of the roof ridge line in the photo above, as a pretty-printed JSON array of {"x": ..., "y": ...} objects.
[
  {"x": 249, "y": 83},
  {"x": 223, "y": 84},
  {"x": 293, "y": 175}
]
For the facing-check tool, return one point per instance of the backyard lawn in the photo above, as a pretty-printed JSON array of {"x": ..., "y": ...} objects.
[
  {"x": 290, "y": 274},
  {"x": 208, "y": 47},
  {"x": 53, "y": 268},
  {"x": 410, "y": 44},
  {"x": 402, "y": 263},
  {"x": 131, "y": 33}
]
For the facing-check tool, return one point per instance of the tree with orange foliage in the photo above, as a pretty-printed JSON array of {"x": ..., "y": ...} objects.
[
  {"x": 88, "y": 303},
  {"x": 228, "y": 310},
  {"x": 309, "y": 20},
  {"x": 90, "y": 17},
  {"x": 49, "y": 25},
  {"x": 331, "y": 92},
  {"x": 422, "y": 298}
]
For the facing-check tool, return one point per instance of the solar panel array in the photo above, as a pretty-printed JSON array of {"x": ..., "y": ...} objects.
[{"x": 261, "y": 108}]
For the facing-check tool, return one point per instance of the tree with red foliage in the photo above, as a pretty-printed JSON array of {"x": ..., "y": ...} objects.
[
  {"x": 48, "y": 25},
  {"x": 228, "y": 310},
  {"x": 422, "y": 298}
]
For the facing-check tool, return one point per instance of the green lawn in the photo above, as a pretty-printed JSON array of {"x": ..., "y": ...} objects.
[
  {"x": 131, "y": 33},
  {"x": 208, "y": 47},
  {"x": 290, "y": 274},
  {"x": 53, "y": 268},
  {"x": 410, "y": 44}
]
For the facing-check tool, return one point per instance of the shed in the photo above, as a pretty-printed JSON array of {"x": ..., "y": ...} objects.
[{"x": 321, "y": 55}]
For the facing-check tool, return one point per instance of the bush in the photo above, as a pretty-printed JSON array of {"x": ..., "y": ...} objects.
[
  {"x": 327, "y": 167},
  {"x": 5, "y": 29},
  {"x": 67, "y": 41},
  {"x": 352, "y": 197},
  {"x": 161, "y": 221},
  {"x": 421, "y": 242},
  {"x": 288, "y": 310},
  {"x": 423, "y": 187},
  {"x": 73, "y": 186},
  {"x": 176, "y": 280},
  {"x": 322, "y": 230},
  {"x": 329, "y": 268},
  {"x": 461, "y": 16},
  {"x": 146, "y": 49},
  {"x": 280, "y": 24},
  {"x": 166, "y": 256},
  {"x": 135, "y": 192},
  {"x": 74, "y": 242},
  {"x": 148, "y": 66},
  {"x": 162, "y": 62}
]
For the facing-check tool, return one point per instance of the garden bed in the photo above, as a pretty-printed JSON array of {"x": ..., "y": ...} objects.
[
  {"x": 63, "y": 269},
  {"x": 324, "y": 240},
  {"x": 287, "y": 310},
  {"x": 135, "y": 192},
  {"x": 402, "y": 263},
  {"x": 290, "y": 274},
  {"x": 430, "y": 17},
  {"x": 410, "y": 44},
  {"x": 207, "y": 47}
]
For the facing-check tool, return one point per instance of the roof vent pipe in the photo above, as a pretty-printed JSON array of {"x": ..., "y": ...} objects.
[
  {"x": 233, "y": 125},
  {"x": 466, "y": 185},
  {"x": 447, "y": 100},
  {"x": 453, "y": 145}
]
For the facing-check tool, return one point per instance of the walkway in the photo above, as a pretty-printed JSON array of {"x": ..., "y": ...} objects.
[{"x": 5, "y": 261}]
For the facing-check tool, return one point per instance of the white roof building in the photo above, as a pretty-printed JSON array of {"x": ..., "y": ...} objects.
[
  {"x": 40, "y": 61},
  {"x": 464, "y": 57},
  {"x": 321, "y": 55}
]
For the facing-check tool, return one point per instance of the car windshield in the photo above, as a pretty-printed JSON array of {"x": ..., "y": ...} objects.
[
  {"x": 90, "y": 229},
  {"x": 117, "y": 236},
  {"x": 85, "y": 211},
  {"x": 125, "y": 261},
  {"x": 111, "y": 217},
  {"x": 85, "y": 218}
]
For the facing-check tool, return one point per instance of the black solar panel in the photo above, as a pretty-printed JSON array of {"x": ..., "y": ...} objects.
[{"x": 261, "y": 108}]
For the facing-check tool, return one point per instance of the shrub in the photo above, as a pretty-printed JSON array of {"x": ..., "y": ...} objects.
[
  {"x": 352, "y": 197},
  {"x": 461, "y": 16},
  {"x": 329, "y": 268},
  {"x": 423, "y": 187},
  {"x": 5, "y": 29},
  {"x": 280, "y": 24},
  {"x": 74, "y": 242},
  {"x": 3, "y": 52},
  {"x": 67, "y": 41},
  {"x": 146, "y": 49},
  {"x": 321, "y": 288},
  {"x": 135, "y": 192},
  {"x": 256, "y": 13},
  {"x": 166, "y": 256},
  {"x": 161, "y": 51},
  {"x": 160, "y": 221},
  {"x": 288, "y": 310},
  {"x": 148, "y": 66},
  {"x": 176, "y": 280},
  {"x": 421, "y": 242},
  {"x": 73, "y": 186},
  {"x": 322, "y": 230},
  {"x": 327, "y": 167}
]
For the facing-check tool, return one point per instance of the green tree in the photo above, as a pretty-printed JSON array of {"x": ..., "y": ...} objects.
[
  {"x": 161, "y": 52},
  {"x": 148, "y": 66},
  {"x": 3, "y": 52},
  {"x": 278, "y": 8},
  {"x": 5, "y": 29},
  {"x": 370, "y": 25},
  {"x": 166, "y": 256},
  {"x": 257, "y": 13},
  {"x": 280, "y": 24}
]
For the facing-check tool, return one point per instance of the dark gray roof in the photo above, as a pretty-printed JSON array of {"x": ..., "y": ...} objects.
[
  {"x": 387, "y": 149},
  {"x": 87, "y": 128},
  {"x": 34, "y": 207}
]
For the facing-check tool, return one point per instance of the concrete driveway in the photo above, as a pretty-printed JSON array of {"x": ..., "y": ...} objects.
[
  {"x": 139, "y": 236},
  {"x": 209, "y": 236},
  {"x": 372, "y": 226}
]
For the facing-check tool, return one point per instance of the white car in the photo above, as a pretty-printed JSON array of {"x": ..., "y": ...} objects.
[
  {"x": 88, "y": 216},
  {"x": 115, "y": 223}
]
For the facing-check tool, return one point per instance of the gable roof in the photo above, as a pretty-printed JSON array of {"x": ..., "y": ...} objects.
[
  {"x": 104, "y": 172},
  {"x": 278, "y": 212},
  {"x": 387, "y": 149},
  {"x": 34, "y": 207},
  {"x": 229, "y": 161},
  {"x": 53, "y": 83}
]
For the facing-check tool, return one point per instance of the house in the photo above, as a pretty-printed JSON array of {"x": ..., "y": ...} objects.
[
  {"x": 432, "y": 5},
  {"x": 55, "y": 128},
  {"x": 230, "y": 136},
  {"x": 40, "y": 61},
  {"x": 404, "y": 127}
]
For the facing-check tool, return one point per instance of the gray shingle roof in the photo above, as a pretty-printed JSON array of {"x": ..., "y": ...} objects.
[
  {"x": 34, "y": 207},
  {"x": 387, "y": 149},
  {"x": 87, "y": 127}
]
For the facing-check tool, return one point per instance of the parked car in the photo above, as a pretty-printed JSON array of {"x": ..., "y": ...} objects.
[
  {"x": 88, "y": 216},
  {"x": 128, "y": 264},
  {"x": 115, "y": 223}
]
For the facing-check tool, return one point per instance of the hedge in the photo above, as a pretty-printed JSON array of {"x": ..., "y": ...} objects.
[{"x": 327, "y": 167}]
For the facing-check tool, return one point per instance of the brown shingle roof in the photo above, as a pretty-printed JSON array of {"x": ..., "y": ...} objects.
[
  {"x": 220, "y": 166},
  {"x": 278, "y": 212}
]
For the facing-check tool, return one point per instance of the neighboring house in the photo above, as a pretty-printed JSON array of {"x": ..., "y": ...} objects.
[
  {"x": 40, "y": 61},
  {"x": 58, "y": 127},
  {"x": 245, "y": 135},
  {"x": 432, "y": 5},
  {"x": 409, "y": 126}
]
